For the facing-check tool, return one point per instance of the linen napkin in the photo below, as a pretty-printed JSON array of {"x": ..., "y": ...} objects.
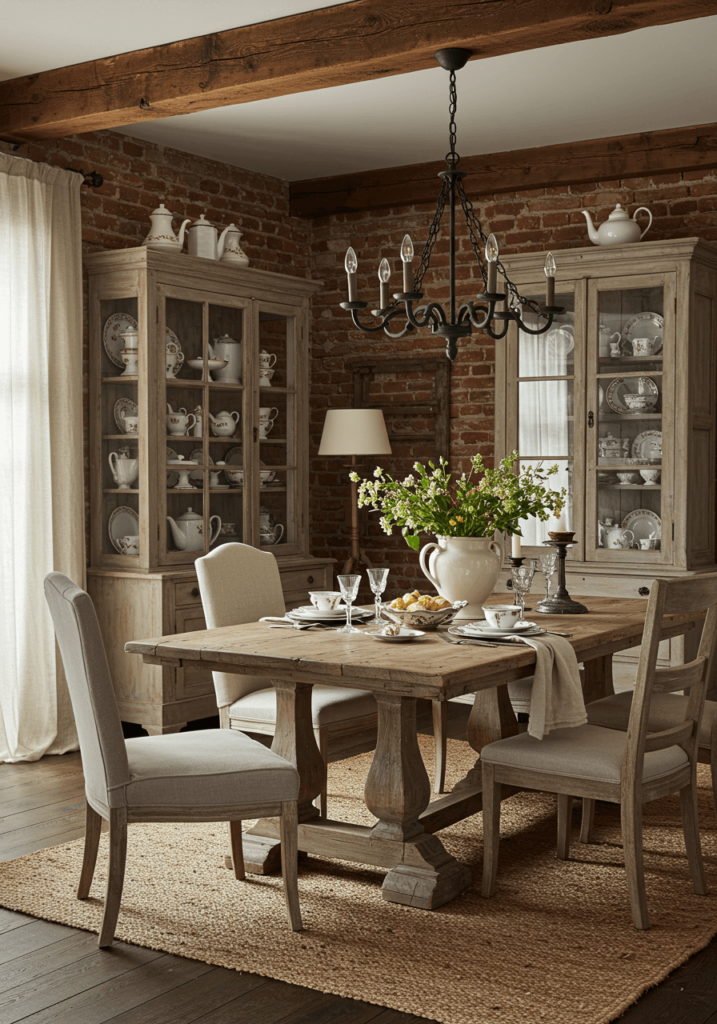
[{"x": 557, "y": 698}]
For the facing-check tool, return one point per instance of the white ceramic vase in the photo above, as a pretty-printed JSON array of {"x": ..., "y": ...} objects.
[{"x": 463, "y": 569}]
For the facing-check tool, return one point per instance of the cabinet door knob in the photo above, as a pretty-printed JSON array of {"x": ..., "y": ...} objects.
[
  {"x": 644, "y": 591},
  {"x": 591, "y": 419},
  {"x": 195, "y": 592},
  {"x": 310, "y": 579}
]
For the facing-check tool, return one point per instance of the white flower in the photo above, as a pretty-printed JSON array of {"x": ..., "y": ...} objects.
[{"x": 377, "y": 471}]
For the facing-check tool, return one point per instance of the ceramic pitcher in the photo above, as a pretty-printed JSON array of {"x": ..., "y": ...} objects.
[{"x": 463, "y": 569}]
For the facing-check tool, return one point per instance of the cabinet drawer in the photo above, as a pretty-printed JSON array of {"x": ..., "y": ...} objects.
[
  {"x": 186, "y": 593},
  {"x": 304, "y": 579}
]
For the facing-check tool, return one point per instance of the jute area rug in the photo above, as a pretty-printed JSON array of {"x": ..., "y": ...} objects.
[{"x": 556, "y": 943}]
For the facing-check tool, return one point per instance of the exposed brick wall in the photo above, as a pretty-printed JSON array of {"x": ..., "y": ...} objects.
[
  {"x": 140, "y": 175},
  {"x": 682, "y": 205}
]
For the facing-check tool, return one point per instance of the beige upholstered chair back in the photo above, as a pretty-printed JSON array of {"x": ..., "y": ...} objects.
[
  {"x": 238, "y": 584},
  {"x": 104, "y": 756}
]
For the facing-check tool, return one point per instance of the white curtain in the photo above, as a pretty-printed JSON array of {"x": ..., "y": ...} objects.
[{"x": 42, "y": 493}]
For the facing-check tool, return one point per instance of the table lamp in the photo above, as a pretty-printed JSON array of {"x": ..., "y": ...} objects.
[{"x": 354, "y": 432}]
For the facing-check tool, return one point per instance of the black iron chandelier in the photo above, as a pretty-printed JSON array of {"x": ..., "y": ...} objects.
[{"x": 489, "y": 313}]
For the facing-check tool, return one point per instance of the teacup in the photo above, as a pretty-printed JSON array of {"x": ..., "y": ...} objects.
[
  {"x": 638, "y": 402},
  {"x": 129, "y": 545},
  {"x": 648, "y": 544},
  {"x": 626, "y": 478},
  {"x": 502, "y": 616},
  {"x": 650, "y": 476},
  {"x": 131, "y": 424},
  {"x": 646, "y": 346},
  {"x": 265, "y": 376},
  {"x": 325, "y": 600},
  {"x": 228, "y": 530},
  {"x": 267, "y": 415}
]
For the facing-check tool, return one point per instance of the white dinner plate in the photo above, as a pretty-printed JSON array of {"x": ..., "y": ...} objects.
[
  {"x": 405, "y": 636},
  {"x": 307, "y": 613},
  {"x": 481, "y": 626},
  {"x": 123, "y": 522},
  {"x": 644, "y": 524},
  {"x": 111, "y": 339}
]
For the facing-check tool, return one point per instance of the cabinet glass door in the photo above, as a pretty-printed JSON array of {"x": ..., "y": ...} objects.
[
  {"x": 630, "y": 387},
  {"x": 276, "y": 370},
  {"x": 547, "y": 367},
  {"x": 203, "y": 386}
]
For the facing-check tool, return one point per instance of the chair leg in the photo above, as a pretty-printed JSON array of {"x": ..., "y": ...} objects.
[
  {"x": 631, "y": 818},
  {"x": 440, "y": 721},
  {"x": 115, "y": 875},
  {"x": 93, "y": 828},
  {"x": 588, "y": 820},
  {"x": 322, "y": 742},
  {"x": 691, "y": 829},
  {"x": 713, "y": 769},
  {"x": 289, "y": 862},
  {"x": 491, "y": 828},
  {"x": 565, "y": 820},
  {"x": 235, "y": 840}
]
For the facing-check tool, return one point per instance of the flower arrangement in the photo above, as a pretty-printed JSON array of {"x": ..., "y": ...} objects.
[{"x": 470, "y": 507}]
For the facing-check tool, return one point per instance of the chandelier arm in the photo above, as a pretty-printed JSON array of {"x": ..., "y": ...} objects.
[
  {"x": 433, "y": 314},
  {"x": 497, "y": 335},
  {"x": 408, "y": 329},
  {"x": 529, "y": 330},
  {"x": 469, "y": 310},
  {"x": 374, "y": 330}
]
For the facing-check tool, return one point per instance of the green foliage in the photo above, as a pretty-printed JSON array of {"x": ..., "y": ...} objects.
[{"x": 472, "y": 506}]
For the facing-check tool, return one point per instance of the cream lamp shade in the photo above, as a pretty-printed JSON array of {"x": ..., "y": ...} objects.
[{"x": 354, "y": 432}]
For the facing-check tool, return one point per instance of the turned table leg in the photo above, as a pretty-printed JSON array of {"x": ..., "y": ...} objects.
[
  {"x": 492, "y": 718},
  {"x": 294, "y": 739},
  {"x": 397, "y": 791}
]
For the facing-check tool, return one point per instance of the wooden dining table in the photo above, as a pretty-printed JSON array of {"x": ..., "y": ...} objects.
[{"x": 420, "y": 872}]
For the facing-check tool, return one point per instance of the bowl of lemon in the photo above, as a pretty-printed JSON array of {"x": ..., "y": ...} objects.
[{"x": 422, "y": 611}]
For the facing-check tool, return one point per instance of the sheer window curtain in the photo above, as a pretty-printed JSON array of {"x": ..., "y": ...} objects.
[{"x": 42, "y": 494}]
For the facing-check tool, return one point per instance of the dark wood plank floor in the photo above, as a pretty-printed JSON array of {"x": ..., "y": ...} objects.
[{"x": 51, "y": 974}]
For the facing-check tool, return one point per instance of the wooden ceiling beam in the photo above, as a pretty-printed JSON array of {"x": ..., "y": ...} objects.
[
  {"x": 573, "y": 163},
  {"x": 355, "y": 42}
]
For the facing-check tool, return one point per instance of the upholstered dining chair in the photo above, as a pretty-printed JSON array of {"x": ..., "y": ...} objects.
[
  {"x": 238, "y": 584},
  {"x": 630, "y": 768},
  {"x": 207, "y": 775}
]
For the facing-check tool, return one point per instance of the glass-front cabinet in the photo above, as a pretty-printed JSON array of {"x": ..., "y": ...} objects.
[
  {"x": 620, "y": 393},
  {"x": 198, "y": 437}
]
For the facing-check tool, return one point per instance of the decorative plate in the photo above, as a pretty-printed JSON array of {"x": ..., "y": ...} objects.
[
  {"x": 235, "y": 457},
  {"x": 114, "y": 325},
  {"x": 621, "y": 386},
  {"x": 561, "y": 340},
  {"x": 129, "y": 408},
  {"x": 647, "y": 445},
  {"x": 123, "y": 522},
  {"x": 643, "y": 523},
  {"x": 197, "y": 477},
  {"x": 172, "y": 477},
  {"x": 650, "y": 324},
  {"x": 404, "y": 637}
]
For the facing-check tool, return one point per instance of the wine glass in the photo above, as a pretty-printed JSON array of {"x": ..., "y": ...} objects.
[
  {"x": 522, "y": 582},
  {"x": 378, "y": 579},
  {"x": 348, "y": 585},
  {"x": 548, "y": 564}
]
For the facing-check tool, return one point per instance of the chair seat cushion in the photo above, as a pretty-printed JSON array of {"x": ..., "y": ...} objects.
[
  {"x": 666, "y": 710},
  {"x": 329, "y": 704},
  {"x": 206, "y": 768},
  {"x": 586, "y": 752}
]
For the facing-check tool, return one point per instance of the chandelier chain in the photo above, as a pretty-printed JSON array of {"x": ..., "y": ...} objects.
[
  {"x": 452, "y": 157},
  {"x": 433, "y": 233}
]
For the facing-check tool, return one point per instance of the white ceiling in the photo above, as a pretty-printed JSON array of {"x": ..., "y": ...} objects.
[{"x": 655, "y": 78}]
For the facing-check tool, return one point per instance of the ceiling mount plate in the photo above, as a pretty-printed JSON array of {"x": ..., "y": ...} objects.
[{"x": 453, "y": 58}]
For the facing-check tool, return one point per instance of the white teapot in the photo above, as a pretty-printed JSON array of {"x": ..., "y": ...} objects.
[
  {"x": 617, "y": 537},
  {"x": 228, "y": 248},
  {"x": 618, "y": 229},
  {"x": 224, "y": 423},
  {"x": 188, "y": 531},
  {"x": 161, "y": 233},
  {"x": 226, "y": 348}
]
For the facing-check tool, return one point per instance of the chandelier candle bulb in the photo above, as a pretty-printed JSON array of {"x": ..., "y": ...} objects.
[
  {"x": 384, "y": 272},
  {"x": 351, "y": 265},
  {"x": 407, "y": 259},
  {"x": 550, "y": 269},
  {"x": 491, "y": 256}
]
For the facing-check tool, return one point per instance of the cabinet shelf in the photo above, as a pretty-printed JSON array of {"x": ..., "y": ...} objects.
[
  {"x": 120, "y": 490},
  {"x": 121, "y": 378},
  {"x": 632, "y": 487},
  {"x": 120, "y": 437},
  {"x": 623, "y": 360},
  {"x": 627, "y": 417}
]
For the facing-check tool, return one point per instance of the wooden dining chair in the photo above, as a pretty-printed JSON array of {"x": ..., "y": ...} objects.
[
  {"x": 630, "y": 768},
  {"x": 240, "y": 584},
  {"x": 206, "y": 775}
]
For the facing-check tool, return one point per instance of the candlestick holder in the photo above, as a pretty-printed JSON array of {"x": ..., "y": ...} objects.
[{"x": 561, "y": 602}]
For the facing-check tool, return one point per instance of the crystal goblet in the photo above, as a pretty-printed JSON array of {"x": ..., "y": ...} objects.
[
  {"x": 348, "y": 585},
  {"x": 548, "y": 565},
  {"x": 522, "y": 582},
  {"x": 377, "y": 579}
]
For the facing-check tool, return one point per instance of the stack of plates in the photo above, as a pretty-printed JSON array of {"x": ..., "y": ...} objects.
[
  {"x": 307, "y": 613},
  {"x": 481, "y": 629}
]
